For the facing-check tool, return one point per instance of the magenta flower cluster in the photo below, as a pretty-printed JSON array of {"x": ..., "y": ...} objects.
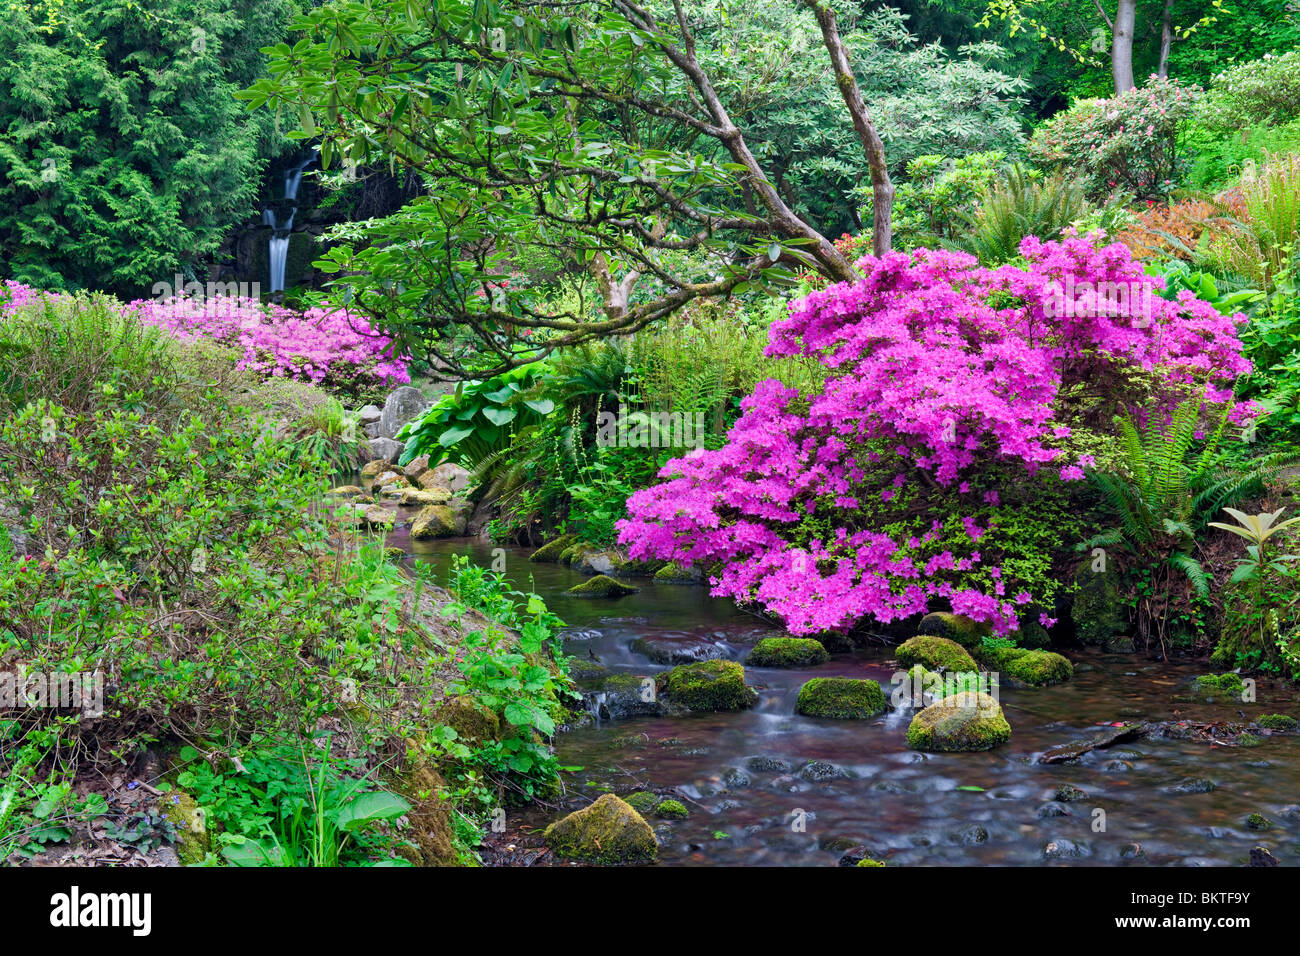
[
  {"x": 277, "y": 341},
  {"x": 940, "y": 370}
]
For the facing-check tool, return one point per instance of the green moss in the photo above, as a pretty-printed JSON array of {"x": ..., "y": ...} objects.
[
  {"x": 551, "y": 550},
  {"x": 840, "y": 698},
  {"x": 1277, "y": 722},
  {"x": 1033, "y": 668},
  {"x": 936, "y": 653},
  {"x": 1098, "y": 610},
  {"x": 192, "y": 839},
  {"x": 475, "y": 725},
  {"x": 601, "y": 586},
  {"x": 643, "y": 801},
  {"x": 866, "y": 861},
  {"x": 1257, "y": 821},
  {"x": 672, "y": 810},
  {"x": 1220, "y": 685},
  {"x": 434, "y": 521},
  {"x": 674, "y": 573},
  {"x": 609, "y": 831},
  {"x": 709, "y": 685},
  {"x": 787, "y": 652},
  {"x": 963, "y": 722},
  {"x": 955, "y": 627}
]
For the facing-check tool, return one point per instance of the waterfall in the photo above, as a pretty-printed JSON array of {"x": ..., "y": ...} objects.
[{"x": 282, "y": 224}]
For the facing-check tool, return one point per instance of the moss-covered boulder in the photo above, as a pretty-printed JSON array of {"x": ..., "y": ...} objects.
[
  {"x": 573, "y": 554},
  {"x": 549, "y": 553},
  {"x": 643, "y": 801},
  {"x": 346, "y": 491},
  {"x": 430, "y": 816},
  {"x": 387, "y": 479},
  {"x": 1098, "y": 610},
  {"x": 960, "y": 723},
  {"x": 378, "y": 518},
  {"x": 787, "y": 652},
  {"x": 475, "y": 725},
  {"x": 955, "y": 627},
  {"x": 192, "y": 838},
  {"x": 840, "y": 698},
  {"x": 601, "y": 585},
  {"x": 434, "y": 521},
  {"x": 935, "y": 653},
  {"x": 607, "y": 561},
  {"x": 672, "y": 810},
  {"x": 1220, "y": 687},
  {"x": 624, "y": 696},
  {"x": 1277, "y": 722},
  {"x": 419, "y": 496},
  {"x": 376, "y": 467},
  {"x": 609, "y": 831},
  {"x": 674, "y": 573},
  {"x": 709, "y": 686},
  {"x": 1030, "y": 668}
]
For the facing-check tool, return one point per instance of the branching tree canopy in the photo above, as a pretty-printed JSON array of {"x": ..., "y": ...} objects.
[{"x": 592, "y": 131}]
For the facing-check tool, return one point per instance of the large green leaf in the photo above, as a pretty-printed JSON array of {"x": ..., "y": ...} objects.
[{"x": 371, "y": 807}]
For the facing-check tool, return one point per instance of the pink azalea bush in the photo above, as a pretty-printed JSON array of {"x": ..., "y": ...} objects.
[
  {"x": 954, "y": 391},
  {"x": 326, "y": 346}
]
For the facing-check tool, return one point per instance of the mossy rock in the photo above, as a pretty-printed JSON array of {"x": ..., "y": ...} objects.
[
  {"x": 574, "y": 553},
  {"x": 474, "y": 723},
  {"x": 434, "y": 521},
  {"x": 869, "y": 862},
  {"x": 674, "y": 573},
  {"x": 672, "y": 810},
  {"x": 958, "y": 724},
  {"x": 609, "y": 831},
  {"x": 1221, "y": 687},
  {"x": 840, "y": 698},
  {"x": 1098, "y": 610},
  {"x": 709, "y": 686},
  {"x": 1030, "y": 668},
  {"x": 421, "y": 496},
  {"x": 374, "y": 468},
  {"x": 394, "y": 554},
  {"x": 643, "y": 801},
  {"x": 378, "y": 518},
  {"x": 346, "y": 491},
  {"x": 192, "y": 838},
  {"x": 787, "y": 652},
  {"x": 1277, "y": 722},
  {"x": 549, "y": 553},
  {"x": 1031, "y": 634},
  {"x": 955, "y": 627},
  {"x": 430, "y": 816},
  {"x": 602, "y": 585},
  {"x": 1257, "y": 821},
  {"x": 935, "y": 653}
]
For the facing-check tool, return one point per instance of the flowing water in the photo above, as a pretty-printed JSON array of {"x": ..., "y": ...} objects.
[{"x": 744, "y": 775}]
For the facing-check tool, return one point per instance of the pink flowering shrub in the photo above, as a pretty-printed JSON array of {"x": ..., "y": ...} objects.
[
  {"x": 948, "y": 417},
  {"x": 326, "y": 346}
]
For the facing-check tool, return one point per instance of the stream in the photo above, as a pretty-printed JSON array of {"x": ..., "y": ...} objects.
[{"x": 767, "y": 787}]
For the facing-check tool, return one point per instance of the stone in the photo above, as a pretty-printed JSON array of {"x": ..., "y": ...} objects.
[
  {"x": 450, "y": 476},
  {"x": 549, "y": 553},
  {"x": 601, "y": 586},
  {"x": 1098, "y": 610},
  {"x": 936, "y": 654},
  {"x": 663, "y": 649},
  {"x": 402, "y": 405},
  {"x": 609, "y": 831},
  {"x": 599, "y": 562},
  {"x": 964, "y": 722},
  {"x": 674, "y": 573},
  {"x": 840, "y": 698},
  {"x": 368, "y": 413},
  {"x": 435, "y": 521},
  {"x": 709, "y": 686},
  {"x": 386, "y": 449},
  {"x": 787, "y": 652},
  {"x": 419, "y": 496},
  {"x": 955, "y": 627},
  {"x": 417, "y": 466},
  {"x": 1029, "y": 668}
]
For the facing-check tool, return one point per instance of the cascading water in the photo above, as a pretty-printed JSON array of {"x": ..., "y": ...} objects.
[{"x": 281, "y": 223}]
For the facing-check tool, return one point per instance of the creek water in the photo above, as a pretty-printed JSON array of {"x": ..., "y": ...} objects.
[{"x": 754, "y": 800}]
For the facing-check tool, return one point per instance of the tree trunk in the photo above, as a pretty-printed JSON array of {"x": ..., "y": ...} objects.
[
  {"x": 1121, "y": 45},
  {"x": 1166, "y": 38},
  {"x": 882, "y": 188}
]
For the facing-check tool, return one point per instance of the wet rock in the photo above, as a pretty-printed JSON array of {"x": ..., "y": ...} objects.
[
  {"x": 435, "y": 521},
  {"x": 599, "y": 562},
  {"x": 386, "y": 449},
  {"x": 973, "y": 835},
  {"x": 674, "y": 573},
  {"x": 1131, "y": 851},
  {"x": 417, "y": 466},
  {"x": 1070, "y": 794},
  {"x": 819, "y": 771},
  {"x": 962, "y": 722},
  {"x": 424, "y": 498},
  {"x": 625, "y": 696},
  {"x": 609, "y": 831},
  {"x": 767, "y": 765},
  {"x": 1053, "y": 809},
  {"x": 1117, "y": 766},
  {"x": 1257, "y": 821},
  {"x": 550, "y": 551},
  {"x": 1192, "y": 785},
  {"x": 1063, "y": 849},
  {"x": 1102, "y": 739},
  {"x": 676, "y": 650},
  {"x": 840, "y": 698},
  {"x": 1260, "y": 856},
  {"x": 601, "y": 586},
  {"x": 736, "y": 779},
  {"x": 855, "y": 856},
  {"x": 708, "y": 686},
  {"x": 787, "y": 652}
]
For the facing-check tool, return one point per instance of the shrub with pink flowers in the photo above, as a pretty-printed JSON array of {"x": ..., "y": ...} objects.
[
  {"x": 958, "y": 396},
  {"x": 326, "y": 346},
  {"x": 1129, "y": 142}
]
